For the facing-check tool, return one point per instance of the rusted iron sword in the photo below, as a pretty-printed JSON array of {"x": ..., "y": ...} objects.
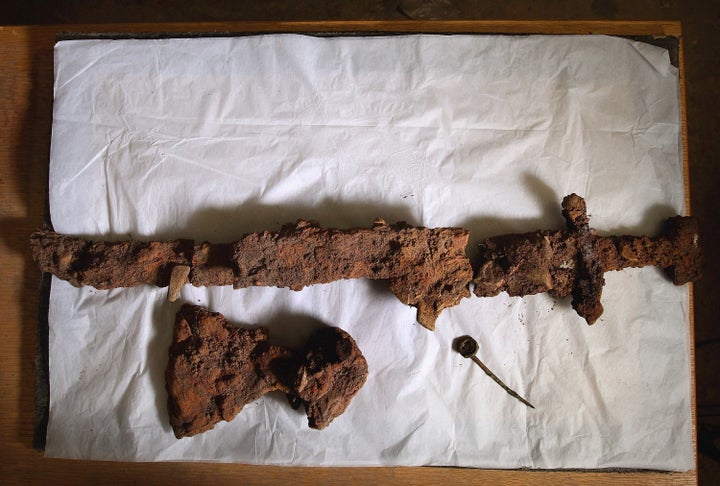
[{"x": 425, "y": 267}]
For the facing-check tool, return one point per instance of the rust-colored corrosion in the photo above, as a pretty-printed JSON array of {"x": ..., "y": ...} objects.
[
  {"x": 425, "y": 267},
  {"x": 573, "y": 261},
  {"x": 215, "y": 369}
]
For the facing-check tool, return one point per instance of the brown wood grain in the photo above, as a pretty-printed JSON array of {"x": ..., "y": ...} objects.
[
  {"x": 686, "y": 184},
  {"x": 26, "y": 78}
]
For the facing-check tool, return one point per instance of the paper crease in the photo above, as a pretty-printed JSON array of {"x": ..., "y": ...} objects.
[{"x": 209, "y": 138}]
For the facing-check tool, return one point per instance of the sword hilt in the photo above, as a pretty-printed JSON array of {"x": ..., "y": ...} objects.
[{"x": 573, "y": 261}]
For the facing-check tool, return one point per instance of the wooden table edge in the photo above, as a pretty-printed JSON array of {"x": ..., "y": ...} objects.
[
  {"x": 43, "y": 37},
  {"x": 578, "y": 27}
]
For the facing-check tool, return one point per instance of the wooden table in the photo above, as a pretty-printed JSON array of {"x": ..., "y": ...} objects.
[{"x": 26, "y": 90}]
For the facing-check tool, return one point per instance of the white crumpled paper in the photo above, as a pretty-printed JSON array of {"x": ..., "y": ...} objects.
[{"x": 209, "y": 138}]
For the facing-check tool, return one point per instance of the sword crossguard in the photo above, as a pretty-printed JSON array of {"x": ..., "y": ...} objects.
[{"x": 573, "y": 261}]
